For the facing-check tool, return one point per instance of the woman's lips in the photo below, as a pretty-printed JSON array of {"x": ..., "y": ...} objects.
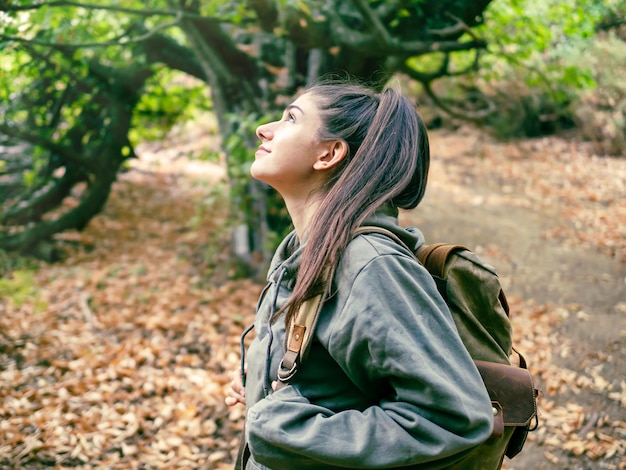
[{"x": 261, "y": 150}]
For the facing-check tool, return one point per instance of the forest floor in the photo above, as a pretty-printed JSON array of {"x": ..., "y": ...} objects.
[{"x": 117, "y": 357}]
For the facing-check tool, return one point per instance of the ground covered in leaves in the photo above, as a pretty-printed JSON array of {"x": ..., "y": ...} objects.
[{"x": 117, "y": 357}]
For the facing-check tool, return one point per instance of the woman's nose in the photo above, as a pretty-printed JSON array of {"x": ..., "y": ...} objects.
[{"x": 264, "y": 131}]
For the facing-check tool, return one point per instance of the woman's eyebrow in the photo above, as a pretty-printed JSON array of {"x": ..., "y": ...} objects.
[{"x": 294, "y": 106}]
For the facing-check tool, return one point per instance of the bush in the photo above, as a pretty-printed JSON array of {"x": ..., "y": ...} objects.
[
  {"x": 550, "y": 67},
  {"x": 600, "y": 112},
  {"x": 524, "y": 111}
]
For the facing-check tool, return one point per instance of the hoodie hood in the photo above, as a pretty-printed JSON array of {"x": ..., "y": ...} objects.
[{"x": 387, "y": 217}]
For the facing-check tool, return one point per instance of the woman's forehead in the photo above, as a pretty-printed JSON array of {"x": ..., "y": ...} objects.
[{"x": 306, "y": 104}]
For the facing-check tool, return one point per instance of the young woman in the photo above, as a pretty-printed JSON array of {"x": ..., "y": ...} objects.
[{"x": 387, "y": 382}]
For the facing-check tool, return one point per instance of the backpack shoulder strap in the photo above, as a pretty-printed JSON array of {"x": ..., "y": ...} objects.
[
  {"x": 299, "y": 336},
  {"x": 435, "y": 256}
]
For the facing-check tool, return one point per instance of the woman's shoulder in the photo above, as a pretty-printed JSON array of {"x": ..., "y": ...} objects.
[
  {"x": 378, "y": 251},
  {"x": 371, "y": 243}
]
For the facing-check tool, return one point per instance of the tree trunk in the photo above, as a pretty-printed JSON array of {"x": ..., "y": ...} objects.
[{"x": 96, "y": 162}]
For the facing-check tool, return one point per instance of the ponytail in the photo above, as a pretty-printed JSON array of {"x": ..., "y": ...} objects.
[{"x": 387, "y": 162}]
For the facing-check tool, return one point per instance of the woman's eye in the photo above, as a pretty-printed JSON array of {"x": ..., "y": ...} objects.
[{"x": 290, "y": 117}]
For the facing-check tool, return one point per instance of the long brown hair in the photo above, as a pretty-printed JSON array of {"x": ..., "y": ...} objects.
[{"x": 387, "y": 162}]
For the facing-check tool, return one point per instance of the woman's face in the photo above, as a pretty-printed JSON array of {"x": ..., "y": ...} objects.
[{"x": 289, "y": 149}]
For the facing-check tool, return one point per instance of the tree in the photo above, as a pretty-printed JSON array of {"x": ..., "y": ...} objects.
[{"x": 75, "y": 72}]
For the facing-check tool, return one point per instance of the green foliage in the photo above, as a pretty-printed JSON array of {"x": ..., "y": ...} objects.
[
  {"x": 534, "y": 70},
  {"x": 20, "y": 288},
  {"x": 240, "y": 147},
  {"x": 600, "y": 111},
  {"x": 169, "y": 97}
]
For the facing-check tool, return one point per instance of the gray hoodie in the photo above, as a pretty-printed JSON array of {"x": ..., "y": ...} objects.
[{"x": 387, "y": 382}]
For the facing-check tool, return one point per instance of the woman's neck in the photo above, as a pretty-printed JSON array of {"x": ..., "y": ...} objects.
[{"x": 301, "y": 213}]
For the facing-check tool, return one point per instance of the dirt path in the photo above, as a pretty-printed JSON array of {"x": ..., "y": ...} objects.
[{"x": 583, "y": 288}]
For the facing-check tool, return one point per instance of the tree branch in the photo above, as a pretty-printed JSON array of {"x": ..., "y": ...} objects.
[
  {"x": 381, "y": 43},
  {"x": 379, "y": 31},
  {"x": 467, "y": 115},
  {"x": 346, "y": 36},
  {"x": 443, "y": 70},
  {"x": 426, "y": 79},
  {"x": 386, "y": 8},
  {"x": 455, "y": 30},
  {"x": 4, "y": 6},
  {"x": 64, "y": 152},
  {"x": 76, "y": 218},
  {"x": 421, "y": 47},
  {"x": 164, "y": 49},
  {"x": 119, "y": 41},
  {"x": 44, "y": 200}
]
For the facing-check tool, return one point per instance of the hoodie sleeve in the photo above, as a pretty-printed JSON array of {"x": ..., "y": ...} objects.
[{"x": 394, "y": 332}]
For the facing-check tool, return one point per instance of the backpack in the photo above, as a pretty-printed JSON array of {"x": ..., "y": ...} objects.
[{"x": 472, "y": 291}]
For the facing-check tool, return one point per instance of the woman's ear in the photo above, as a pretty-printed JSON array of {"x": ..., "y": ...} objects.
[{"x": 334, "y": 153}]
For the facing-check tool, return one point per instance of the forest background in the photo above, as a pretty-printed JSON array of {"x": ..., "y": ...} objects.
[{"x": 133, "y": 241}]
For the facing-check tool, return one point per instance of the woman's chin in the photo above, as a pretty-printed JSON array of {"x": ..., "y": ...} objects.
[
  {"x": 254, "y": 171},
  {"x": 257, "y": 174}
]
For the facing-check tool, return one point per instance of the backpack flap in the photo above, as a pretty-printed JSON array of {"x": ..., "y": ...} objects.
[
  {"x": 512, "y": 388},
  {"x": 513, "y": 396}
]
